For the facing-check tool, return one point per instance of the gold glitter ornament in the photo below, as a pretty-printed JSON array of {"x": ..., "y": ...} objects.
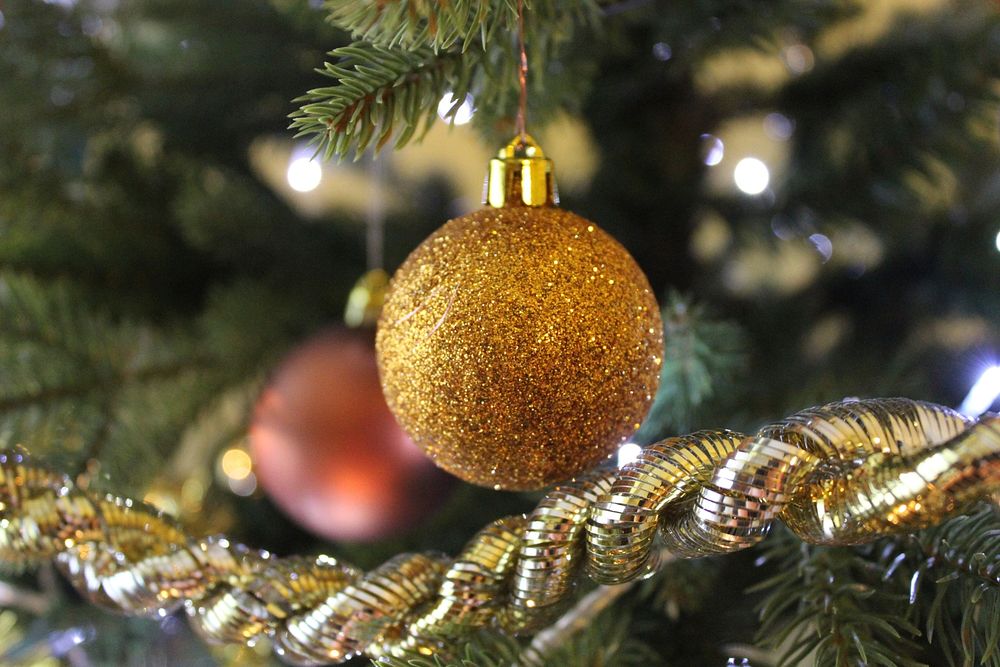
[{"x": 519, "y": 345}]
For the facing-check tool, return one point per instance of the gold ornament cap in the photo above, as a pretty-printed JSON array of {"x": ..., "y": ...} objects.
[
  {"x": 520, "y": 175},
  {"x": 364, "y": 303}
]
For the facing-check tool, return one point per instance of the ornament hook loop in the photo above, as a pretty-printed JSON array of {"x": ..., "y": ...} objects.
[{"x": 520, "y": 175}]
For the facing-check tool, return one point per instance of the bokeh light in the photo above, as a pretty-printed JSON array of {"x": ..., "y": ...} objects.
[
  {"x": 236, "y": 463},
  {"x": 712, "y": 149},
  {"x": 464, "y": 112},
  {"x": 304, "y": 174},
  {"x": 628, "y": 453},
  {"x": 778, "y": 126},
  {"x": 799, "y": 58},
  {"x": 823, "y": 245},
  {"x": 751, "y": 176},
  {"x": 244, "y": 487},
  {"x": 983, "y": 394},
  {"x": 662, "y": 51}
]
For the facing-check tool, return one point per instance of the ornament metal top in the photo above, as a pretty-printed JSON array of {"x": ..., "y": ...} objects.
[
  {"x": 520, "y": 174},
  {"x": 519, "y": 345}
]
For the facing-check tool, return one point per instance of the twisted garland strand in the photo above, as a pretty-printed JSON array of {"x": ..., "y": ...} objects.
[{"x": 840, "y": 474}]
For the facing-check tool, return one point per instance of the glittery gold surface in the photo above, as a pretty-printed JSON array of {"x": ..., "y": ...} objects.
[
  {"x": 839, "y": 474},
  {"x": 519, "y": 346}
]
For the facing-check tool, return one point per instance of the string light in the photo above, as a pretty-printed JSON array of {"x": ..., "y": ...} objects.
[
  {"x": 464, "y": 112},
  {"x": 628, "y": 453},
  {"x": 983, "y": 394},
  {"x": 60, "y": 643},
  {"x": 304, "y": 174},
  {"x": 751, "y": 176}
]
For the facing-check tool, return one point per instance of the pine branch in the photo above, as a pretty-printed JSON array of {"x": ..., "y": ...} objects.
[
  {"x": 607, "y": 642},
  {"x": 682, "y": 586},
  {"x": 414, "y": 52},
  {"x": 595, "y": 631},
  {"x": 702, "y": 358},
  {"x": 550, "y": 643},
  {"x": 896, "y": 164},
  {"x": 77, "y": 385},
  {"x": 486, "y": 650},
  {"x": 968, "y": 543},
  {"x": 378, "y": 91},
  {"x": 411, "y": 24},
  {"x": 415, "y": 24},
  {"x": 830, "y": 604},
  {"x": 952, "y": 574},
  {"x": 869, "y": 604}
]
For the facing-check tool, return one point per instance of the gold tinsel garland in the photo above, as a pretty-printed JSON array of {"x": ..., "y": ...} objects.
[{"x": 841, "y": 474}]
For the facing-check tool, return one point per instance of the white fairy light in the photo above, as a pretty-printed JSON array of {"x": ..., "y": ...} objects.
[
  {"x": 628, "y": 453},
  {"x": 464, "y": 112},
  {"x": 983, "y": 394},
  {"x": 751, "y": 176},
  {"x": 304, "y": 174}
]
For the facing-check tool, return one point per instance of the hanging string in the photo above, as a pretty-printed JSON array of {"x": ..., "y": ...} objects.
[
  {"x": 364, "y": 303},
  {"x": 522, "y": 75},
  {"x": 375, "y": 217}
]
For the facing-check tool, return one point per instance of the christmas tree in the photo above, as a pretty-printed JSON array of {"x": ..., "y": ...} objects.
[{"x": 809, "y": 187}]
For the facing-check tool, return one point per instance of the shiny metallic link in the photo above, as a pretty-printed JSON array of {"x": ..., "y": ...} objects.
[
  {"x": 840, "y": 474},
  {"x": 621, "y": 529},
  {"x": 161, "y": 583},
  {"x": 363, "y": 613},
  {"x": 887, "y": 495},
  {"x": 785, "y": 465},
  {"x": 551, "y": 553},
  {"x": 264, "y": 596},
  {"x": 735, "y": 508},
  {"x": 289, "y": 586},
  {"x": 19, "y": 480},
  {"x": 137, "y": 529},
  {"x": 469, "y": 595}
]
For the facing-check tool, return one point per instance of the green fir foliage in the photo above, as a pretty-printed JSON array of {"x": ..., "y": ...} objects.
[
  {"x": 952, "y": 575},
  {"x": 486, "y": 650},
  {"x": 79, "y": 387},
  {"x": 607, "y": 643},
  {"x": 410, "y": 24},
  {"x": 829, "y": 605},
  {"x": 410, "y": 54},
  {"x": 927, "y": 599},
  {"x": 379, "y": 91},
  {"x": 702, "y": 360}
]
